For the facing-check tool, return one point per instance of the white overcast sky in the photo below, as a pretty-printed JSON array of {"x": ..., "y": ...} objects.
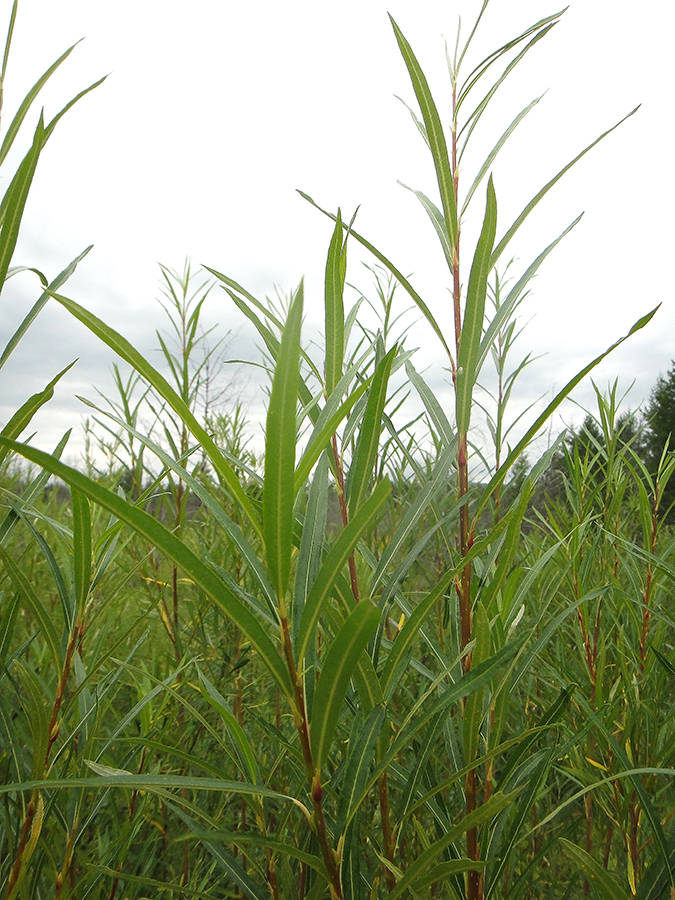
[{"x": 215, "y": 112}]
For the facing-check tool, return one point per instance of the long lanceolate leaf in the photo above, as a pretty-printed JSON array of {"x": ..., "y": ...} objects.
[
  {"x": 147, "y": 526},
  {"x": 438, "y": 222},
  {"x": 359, "y": 761},
  {"x": 362, "y": 468},
  {"x": 504, "y": 242},
  {"x": 395, "y": 545},
  {"x": 312, "y": 541},
  {"x": 334, "y": 307},
  {"x": 506, "y": 308},
  {"x": 512, "y": 835},
  {"x": 81, "y": 549},
  {"x": 14, "y": 201},
  {"x": 29, "y": 99},
  {"x": 475, "y": 116},
  {"x": 280, "y": 443},
  {"x": 24, "y": 415},
  {"x": 541, "y": 420},
  {"x": 365, "y": 518},
  {"x": 129, "y": 354},
  {"x": 606, "y": 885},
  {"x": 32, "y": 314},
  {"x": 398, "y": 275},
  {"x": 23, "y": 586},
  {"x": 435, "y": 135},
  {"x": 417, "y": 871},
  {"x": 336, "y": 672},
  {"x": 485, "y": 168},
  {"x": 474, "y": 314},
  {"x": 478, "y": 71}
]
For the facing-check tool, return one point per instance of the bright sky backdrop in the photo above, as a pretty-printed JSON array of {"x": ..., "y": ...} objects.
[{"x": 216, "y": 111}]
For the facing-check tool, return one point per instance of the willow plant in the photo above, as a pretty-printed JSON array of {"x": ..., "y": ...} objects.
[{"x": 391, "y": 762}]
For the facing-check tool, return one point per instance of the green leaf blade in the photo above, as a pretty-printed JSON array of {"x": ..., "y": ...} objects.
[
  {"x": 280, "y": 444},
  {"x": 434, "y": 133},
  {"x": 334, "y": 307},
  {"x": 474, "y": 314},
  {"x": 338, "y": 667}
]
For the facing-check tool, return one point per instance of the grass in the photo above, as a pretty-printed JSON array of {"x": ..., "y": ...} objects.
[{"x": 346, "y": 670}]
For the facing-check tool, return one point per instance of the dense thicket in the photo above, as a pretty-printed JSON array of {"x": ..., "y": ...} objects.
[{"x": 347, "y": 669}]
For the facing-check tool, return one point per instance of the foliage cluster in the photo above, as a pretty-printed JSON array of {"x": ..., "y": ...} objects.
[{"x": 346, "y": 670}]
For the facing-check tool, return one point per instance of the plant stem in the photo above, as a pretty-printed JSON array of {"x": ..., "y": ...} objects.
[{"x": 312, "y": 772}]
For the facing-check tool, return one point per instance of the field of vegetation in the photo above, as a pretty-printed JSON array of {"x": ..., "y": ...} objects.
[{"x": 375, "y": 661}]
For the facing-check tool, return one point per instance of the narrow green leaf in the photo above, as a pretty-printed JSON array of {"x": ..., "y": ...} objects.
[
  {"x": 664, "y": 661},
  {"x": 24, "y": 415},
  {"x": 34, "y": 311},
  {"x": 9, "y": 604},
  {"x": 158, "y": 536},
  {"x": 360, "y": 756},
  {"x": 474, "y": 314},
  {"x": 28, "y": 100},
  {"x": 81, "y": 549},
  {"x": 408, "y": 633},
  {"x": 280, "y": 443},
  {"x": 8, "y": 42},
  {"x": 506, "y": 308},
  {"x": 230, "y": 286},
  {"x": 233, "y": 869},
  {"x": 478, "y": 71},
  {"x": 49, "y": 128},
  {"x": 474, "y": 118},
  {"x": 437, "y": 221},
  {"x": 334, "y": 307},
  {"x": 444, "y": 870},
  {"x": 541, "y": 420},
  {"x": 33, "y": 701},
  {"x": 434, "y": 410},
  {"x": 419, "y": 868},
  {"x": 157, "y": 886},
  {"x": 435, "y": 135},
  {"x": 417, "y": 770},
  {"x": 108, "y": 777},
  {"x": 237, "y": 733},
  {"x": 14, "y": 201},
  {"x": 654, "y": 884},
  {"x": 473, "y": 706},
  {"x": 362, "y": 468},
  {"x": 325, "y": 427},
  {"x": 504, "y": 242},
  {"x": 492, "y": 155},
  {"x": 365, "y": 678},
  {"x": 32, "y": 490},
  {"x": 645, "y": 800},
  {"x": 508, "y": 549},
  {"x": 368, "y": 515},
  {"x": 607, "y": 886},
  {"x": 397, "y": 540},
  {"x": 425, "y": 710},
  {"x": 398, "y": 275},
  {"x": 32, "y": 601},
  {"x": 523, "y": 808},
  {"x": 353, "y": 886},
  {"x": 337, "y": 669},
  {"x": 138, "y": 362},
  {"x": 210, "y": 502},
  {"x": 311, "y": 542}
]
